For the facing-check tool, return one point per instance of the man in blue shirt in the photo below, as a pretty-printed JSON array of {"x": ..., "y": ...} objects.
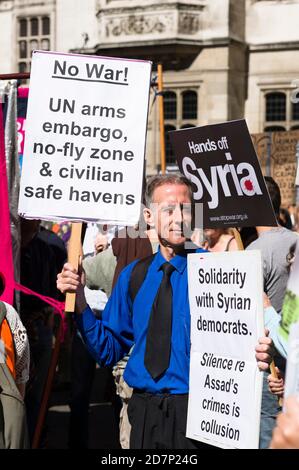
[{"x": 158, "y": 408}]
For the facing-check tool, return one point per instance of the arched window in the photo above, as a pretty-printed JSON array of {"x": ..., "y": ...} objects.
[
  {"x": 33, "y": 34},
  {"x": 23, "y": 28},
  {"x": 45, "y": 44},
  {"x": 23, "y": 49},
  {"x": 34, "y": 26},
  {"x": 46, "y": 25},
  {"x": 189, "y": 104},
  {"x": 170, "y": 105},
  {"x": 33, "y": 45},
  {"x": 22, "y": 67},
  {"x": 170, "y": 158},
  {"x": 276, "y": 106}
]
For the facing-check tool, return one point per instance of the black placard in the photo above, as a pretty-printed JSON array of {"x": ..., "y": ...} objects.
[{"x": 221, "y": 162}]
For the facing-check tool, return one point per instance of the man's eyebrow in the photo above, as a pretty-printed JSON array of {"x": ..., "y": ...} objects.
[{"x": 169, "y": 204}]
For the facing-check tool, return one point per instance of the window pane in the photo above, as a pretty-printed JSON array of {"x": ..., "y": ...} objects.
[
  {"x": 294, "y": 128},
  {"x": 33, "y": 45},
  {"x": 23, "y": 28},
  {"x": 276, "y": 107},
  {"x": 274, "y": 129},
  {"x": 295, "y": 111},
  {"x": 22, "y": 67},
  {"x": 46, "y": 25},
  {"x": 170, "y": 158},
  {"x": 22, "y": 49},
  {"x": 45, "y": 44},
  {"x": 169, "y": 105},
  {"x": 189, "y": 105},
  {"x": 34, "y": 26}
]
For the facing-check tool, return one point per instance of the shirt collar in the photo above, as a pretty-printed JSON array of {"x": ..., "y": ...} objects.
[{"x": 179, "y": 261}]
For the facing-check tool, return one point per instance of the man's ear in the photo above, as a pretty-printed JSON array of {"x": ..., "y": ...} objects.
[{"x": 148, "y": 217}]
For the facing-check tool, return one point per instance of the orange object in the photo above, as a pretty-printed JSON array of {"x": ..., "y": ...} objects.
[{"x": 7, "y": 339}]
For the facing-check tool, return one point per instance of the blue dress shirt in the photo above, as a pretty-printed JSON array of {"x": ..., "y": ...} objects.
[{"x": 124, "y": 325}]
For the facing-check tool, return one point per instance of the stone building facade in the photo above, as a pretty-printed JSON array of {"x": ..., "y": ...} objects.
[{"x": 222, "y": 59}]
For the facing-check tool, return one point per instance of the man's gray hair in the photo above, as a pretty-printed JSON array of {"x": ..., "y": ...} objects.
[{"x": 160, "y": 180}]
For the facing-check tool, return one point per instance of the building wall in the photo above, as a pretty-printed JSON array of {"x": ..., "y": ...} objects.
[
  {"x": 272, "y": 21},
  {"x": 6, "y": 37},
  {"x": 269, "y": 71},
  {"x": 246, "y": 48},
  {"x": 74, "y": 19},
  {"x": 273, "y": 38}
]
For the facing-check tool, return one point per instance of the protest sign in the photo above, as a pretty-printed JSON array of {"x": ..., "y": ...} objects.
[
  {"x": 277, "y": 156},
  {"x": 226, "y": 305},
  {"x": 290, "y": 307},
  {"x": 85, "y": 138},
  {"x": 221, "y": 162}
]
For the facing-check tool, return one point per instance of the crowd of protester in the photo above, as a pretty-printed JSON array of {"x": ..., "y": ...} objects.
[{"x": 106, "y": 271}]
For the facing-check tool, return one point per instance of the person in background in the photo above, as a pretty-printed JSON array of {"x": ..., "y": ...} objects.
[
  {"x": 18, "y": 361},
  {"x": 39, "y": 267},
  {"x": 286, "y": 432},
  {"x": 14, "y": 373},
  {"x": 272, "y": 321},
  {"x": 100, "y": 242},
  {"x": 219, "y": 239},
  {"x": 285, "y": 219},
  {"x": 292, "y": 212},
  {"x": 276, "y": 384},
  {"x": 83, "y": 365},
  {"x": 274, "y": 244},
  {"x": 248, "y": 235},
  {"x": 157, "y": 370},
  {"x": 102, "y": 271}
]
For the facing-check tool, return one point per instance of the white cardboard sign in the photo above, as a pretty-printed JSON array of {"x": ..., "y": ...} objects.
[
  {"x": 226, "y": 305},
  {"x": 85, "y": 138},
  {"x": 292, "y": 372}
]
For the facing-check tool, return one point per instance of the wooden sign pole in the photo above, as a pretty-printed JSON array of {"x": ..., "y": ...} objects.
[
  {"x": 74, "y": 251},
  {"x": 161, "y": 119},
  {"x": 274, "y": 373}
]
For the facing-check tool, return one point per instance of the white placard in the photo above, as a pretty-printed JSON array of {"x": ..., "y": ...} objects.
[
  {"x": 85, "y": 138},
  {"x": 290, "y": 307},
  {"x": 292, "y": 372},
  {"x": 226, "y": 305}
]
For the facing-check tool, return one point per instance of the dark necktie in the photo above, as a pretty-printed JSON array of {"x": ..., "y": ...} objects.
[{"x": 158, "y": 340}]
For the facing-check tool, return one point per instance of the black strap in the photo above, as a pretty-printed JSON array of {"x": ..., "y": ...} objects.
[
  {"x": 138, "y": 275},
  {"x": 228, "y": 243},
  {"x": 2, "y": 312}
]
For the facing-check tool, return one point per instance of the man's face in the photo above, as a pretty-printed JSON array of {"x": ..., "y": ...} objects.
[{"x": 171, "y": 213}]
